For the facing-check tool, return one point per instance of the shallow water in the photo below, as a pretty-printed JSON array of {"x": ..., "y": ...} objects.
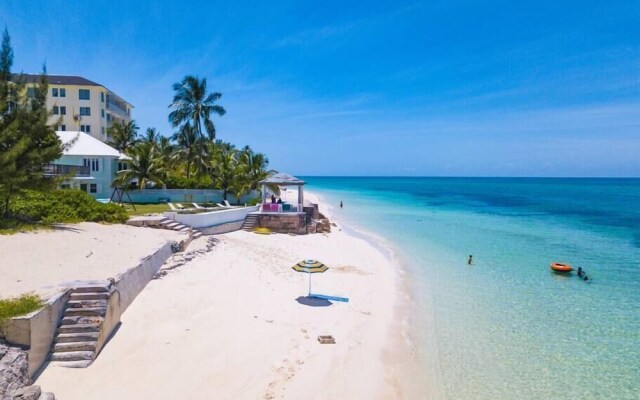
[{"x": 507, "y": 327}]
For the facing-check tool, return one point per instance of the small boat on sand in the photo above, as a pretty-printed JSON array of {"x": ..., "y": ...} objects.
[{"x": 560, "y": 267}]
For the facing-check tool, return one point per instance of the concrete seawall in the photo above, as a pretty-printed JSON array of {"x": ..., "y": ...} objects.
[
  {"x": 36, "y": 331},
  {"x": 213, "y": 218}
]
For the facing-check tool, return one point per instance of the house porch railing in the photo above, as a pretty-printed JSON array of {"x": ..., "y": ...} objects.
[{"x": 62, "y": 170}]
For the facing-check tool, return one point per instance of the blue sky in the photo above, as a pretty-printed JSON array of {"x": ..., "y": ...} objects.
[{"x": 487, "y": 88}]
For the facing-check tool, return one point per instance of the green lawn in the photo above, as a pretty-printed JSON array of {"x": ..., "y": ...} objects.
[{"x": 147, "y": 208}]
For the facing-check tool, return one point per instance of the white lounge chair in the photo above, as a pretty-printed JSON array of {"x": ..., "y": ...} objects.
[
  {"x": 221, "y": 205},
  {"x": 173, "y": 207},
  {"x": 198, "y": 206},
  {"x": 226, "y": 203},
  {"x": 180, "y": 206}
]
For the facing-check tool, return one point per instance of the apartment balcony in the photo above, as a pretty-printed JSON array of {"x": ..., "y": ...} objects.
[
  {"x": 117, "y": 107},
  {"x": 77, "y": 171}
]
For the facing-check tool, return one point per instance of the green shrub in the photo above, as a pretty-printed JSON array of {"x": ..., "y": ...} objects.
[
  {"x": 65, "y": 205},
  {"x": 254, "y": 202},
  {"x": 18, "y": 306}
]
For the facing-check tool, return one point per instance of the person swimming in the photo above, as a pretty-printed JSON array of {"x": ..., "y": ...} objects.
[{"x": 470, "y": 260}]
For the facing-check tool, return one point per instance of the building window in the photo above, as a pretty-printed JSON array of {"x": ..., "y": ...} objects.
[
  {"x": 31, "y": 92},
  {"x": 62, "y": 128},
  {"x": 85, "y": 128},
  {"x": 94, "y": 163},
  {"x": 63, "y": 110},
  {"x": 102, "y": 130},
  {"x": 84, "y": 94},
  {"x": 63, "y": 92},
  {"x": 85, "y": 111},
  {"x": 102, "y": 97},
  {"x": 93, "y": 188},
  {"x": 56, "y": 110},
  {"x": 122, "y": 165},
  {"x": 102, "y": 113},
  {"x": 83, "y": 187},
  {"x": 54, "y": 92},
  {"x": 65, "y": 186}
]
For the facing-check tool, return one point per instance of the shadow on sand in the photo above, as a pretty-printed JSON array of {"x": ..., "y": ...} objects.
[
  {"x": 65, "y": 227},
  {"x": 313, "y": 301}
]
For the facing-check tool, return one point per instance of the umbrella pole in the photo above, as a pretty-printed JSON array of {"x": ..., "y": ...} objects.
[{"x": 309, "y": 284}]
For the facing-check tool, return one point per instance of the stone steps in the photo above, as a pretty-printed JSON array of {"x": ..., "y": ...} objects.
[
  {"x": 74, "y": 346},
  {"x": 74, "y": 337},
  {"x": 250, "y": 222},
  {"x": 86, "y": 312},
  {"x": 89, "y": 296},
  {"x": 92, "y": 289},
  {"x": 87, "y": 303},
  {"x": 76, "y": 341},
  {"x": 178, "y": 227},
  {"x": 76, "y": 319},
  {"x": 78, "y": 328},
  {"x": 72, "y": 356}
]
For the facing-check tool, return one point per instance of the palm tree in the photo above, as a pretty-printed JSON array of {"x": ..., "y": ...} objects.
[
  {"x": 123, "y": 135},
  {"x": 143, "y": 166},
  {"x": 151, "y": 135},
  {"x": 256, "y": 165},
  {"x": 225, "y": 169},
  {"x": 192, "y": 105},
  {"x": 165, "y": 150},
  {"x": 189, "y": 148}
]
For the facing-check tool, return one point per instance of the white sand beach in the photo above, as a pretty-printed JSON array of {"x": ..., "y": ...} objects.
[
  {"x": 40, "y": 261},
  {"x": 235, "y": 324}
]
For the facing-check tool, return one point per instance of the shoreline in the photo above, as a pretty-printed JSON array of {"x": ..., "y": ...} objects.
[
  {"x": 200, "y": 326},
  {"x": 407, "y": 337}
]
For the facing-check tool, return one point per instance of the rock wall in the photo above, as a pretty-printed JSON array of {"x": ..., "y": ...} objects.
[
  {"x": 14, "y": 376},
  {"x": 284, "y": 223},
  {"x": 36, "y": 330}
]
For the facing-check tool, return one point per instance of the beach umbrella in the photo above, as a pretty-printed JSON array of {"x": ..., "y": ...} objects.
[{"x": 310, "y": 267}]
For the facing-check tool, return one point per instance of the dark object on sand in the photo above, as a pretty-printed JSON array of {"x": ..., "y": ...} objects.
[{"x": 326, "y": 339}]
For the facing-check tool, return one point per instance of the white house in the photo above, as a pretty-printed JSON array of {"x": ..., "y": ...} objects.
[{"x": 89, "y": 163}]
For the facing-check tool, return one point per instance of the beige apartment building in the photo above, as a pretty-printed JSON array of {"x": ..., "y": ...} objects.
[{"x": 78, "y": 104}]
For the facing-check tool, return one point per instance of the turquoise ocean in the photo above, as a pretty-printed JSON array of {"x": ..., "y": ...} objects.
[{"x": 507, "y": 327}]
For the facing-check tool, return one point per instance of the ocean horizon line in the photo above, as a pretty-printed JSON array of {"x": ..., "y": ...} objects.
[{"x": 473, "y": 177}]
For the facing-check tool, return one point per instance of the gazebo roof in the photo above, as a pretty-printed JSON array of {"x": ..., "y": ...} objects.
[{"x": 282, "y": 179}]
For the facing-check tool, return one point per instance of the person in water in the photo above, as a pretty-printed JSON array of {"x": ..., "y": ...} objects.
[
  {"x": 341, "y": 204},
  {"x": 470, "y": 260},
  {"x": 580, "y": 272}
]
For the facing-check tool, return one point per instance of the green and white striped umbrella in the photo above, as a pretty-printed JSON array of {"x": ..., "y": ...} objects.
[{"x": 310, "y": 267}]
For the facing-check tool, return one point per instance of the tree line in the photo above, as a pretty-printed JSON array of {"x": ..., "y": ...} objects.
[{"x": 192, "y": 157}]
